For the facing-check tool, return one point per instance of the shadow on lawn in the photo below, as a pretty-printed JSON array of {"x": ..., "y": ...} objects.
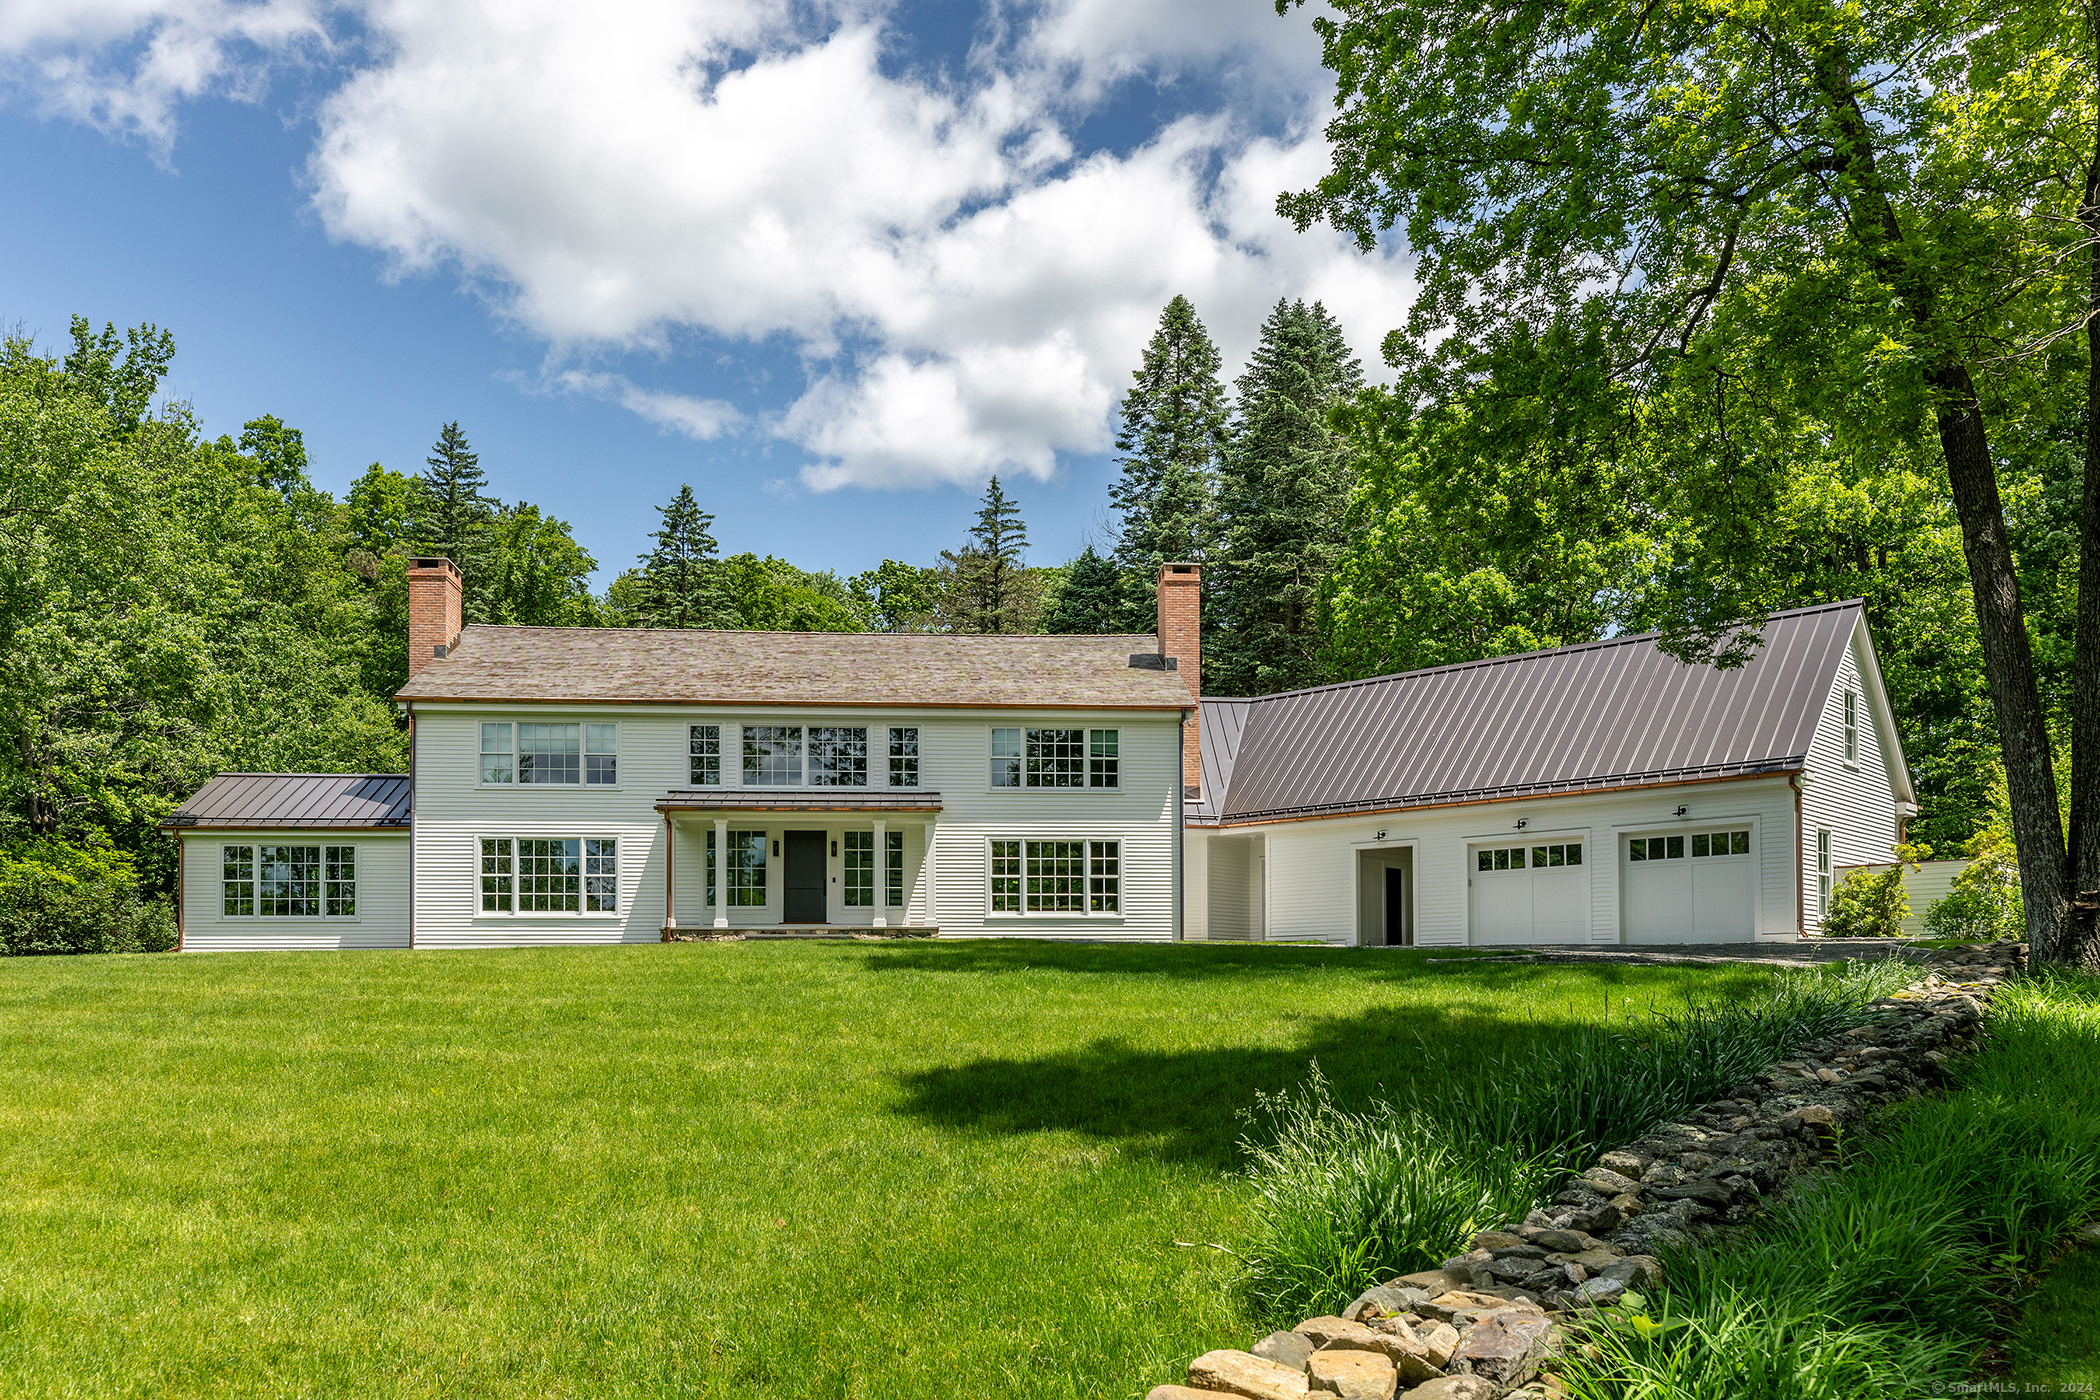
[{"x": 1186, "y": 1105}]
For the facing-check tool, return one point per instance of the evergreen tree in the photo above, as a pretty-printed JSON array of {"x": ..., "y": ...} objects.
[
  {"x": 1090, "y": 600},
  {"x": 1173, "y": 432},
  {"x": 1283, "y": 498},
  {"x": 453, "y": 515},
  {"x": 681, "y": 578},
  {"x": 987, "y": 584}
]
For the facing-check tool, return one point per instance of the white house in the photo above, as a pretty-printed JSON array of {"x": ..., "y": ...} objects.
[{"x": 574, "y": 785}]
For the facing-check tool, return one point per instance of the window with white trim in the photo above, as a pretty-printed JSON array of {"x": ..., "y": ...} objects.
[
  {"x": 1056, "y": 758},
  {"x": 772, "y": 755},
  {"x": 838, "y": 757},
  {"x": 704, "y": 745},
  {"x": 1851, "y": 727},
  {"x": 549, "y": 875},
  {"x": 558, "y": 755},
  {"x": 286, "y": 881},
  {"x": 1822, "y": 871},
  {"x": 1500, "y": 858},
  {"x": 857, "y": 873},
  {"x": 904, "y": 758},
  {"x": 746, "y": 869},
  {"x": 1055, "y": 877},
  {"x": 893, "y": 871}
]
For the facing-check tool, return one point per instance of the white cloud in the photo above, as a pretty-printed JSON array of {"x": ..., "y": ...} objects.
[{"x": 966, "y": 295}]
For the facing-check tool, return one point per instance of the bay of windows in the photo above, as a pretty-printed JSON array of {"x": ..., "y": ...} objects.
[
  {"x": 288, "y": 881},
  {"x": 1055, "y": 877}
]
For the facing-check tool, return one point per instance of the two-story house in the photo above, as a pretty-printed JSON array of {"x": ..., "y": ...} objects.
[{"x": 573, "y": 785}]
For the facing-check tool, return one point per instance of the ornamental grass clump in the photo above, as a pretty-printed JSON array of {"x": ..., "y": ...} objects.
[{"x": 1347, "y": 1198}]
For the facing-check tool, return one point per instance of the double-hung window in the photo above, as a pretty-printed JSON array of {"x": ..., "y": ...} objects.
[
  {"x": 1056, "y": 758},
  {"x": 1822, "y": 871},
  {"x": 1851, "y": 726},
  {"x": 1055, "y": 877},
  {"x": 284, "y": 881},
  {"x": 904, "y": 758},
  {"x": 549, "y": 875},
  {"x": 560, "y": 755},
  {"x": 704, "y": 744},
  {"x": 838, "y": 757},
  {"x": 893, "y": 871}
]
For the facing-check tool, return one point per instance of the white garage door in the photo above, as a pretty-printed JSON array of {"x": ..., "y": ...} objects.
[
  {"x": 1530, "y": 894},
  {"x": 1689, "y": 887}
]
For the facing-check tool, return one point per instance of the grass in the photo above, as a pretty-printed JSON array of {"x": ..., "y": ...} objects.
[
  {"x": 781, "y": 1170},
  {"x": 2058, "y": 1343},
  {"x": 1878, "y": 1278},
  {"x": 1347, "y": 1198}
]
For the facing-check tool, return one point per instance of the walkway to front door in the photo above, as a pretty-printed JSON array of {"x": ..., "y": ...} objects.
[{"x": 803, "y": 883}]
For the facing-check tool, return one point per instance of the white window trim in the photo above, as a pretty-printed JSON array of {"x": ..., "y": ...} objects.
[
  {"x": 621, "y": 895},
  {"x": 1116, "y": 915},
  {"x": 218, "y": 850},
  {"x": 582, "y": 783},
  {"x": 1848, "y": 737},
  {"x": 1089, "y": 730},
  {"x": 1688, "y": 828},
  {"x": 888, "y": 735}
]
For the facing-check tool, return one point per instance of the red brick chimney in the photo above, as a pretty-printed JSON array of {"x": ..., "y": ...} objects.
[
  {"x": 433, "y": 611},
  {"x": 1181, "y": 638}
]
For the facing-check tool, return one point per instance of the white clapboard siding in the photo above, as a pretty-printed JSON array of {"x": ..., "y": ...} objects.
[
  {"x": 1855, "y": 800},
  {"x": 1312, "y": 866},
  {"x": 382, "y": 895},
  {"x": 454, "y": 812}
]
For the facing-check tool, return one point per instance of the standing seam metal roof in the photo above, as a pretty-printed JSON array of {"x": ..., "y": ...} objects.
[
  {"x": 256, "y": 801},
  {"x": 1599, "y": 715}
]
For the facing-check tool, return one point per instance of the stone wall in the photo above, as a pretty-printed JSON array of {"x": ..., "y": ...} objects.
[{"x": 1490, "y": 1321}]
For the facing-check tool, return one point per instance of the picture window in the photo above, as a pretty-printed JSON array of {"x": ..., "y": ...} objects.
[
  {"x": 838, "y": 757},
  {"x": 1055, "y": 877}
]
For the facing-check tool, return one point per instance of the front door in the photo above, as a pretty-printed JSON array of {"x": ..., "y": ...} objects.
[{"x": 804, "y": 880}]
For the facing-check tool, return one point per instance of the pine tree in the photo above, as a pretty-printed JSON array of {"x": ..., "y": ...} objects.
[
  {"x": 1173, "y": 431},
  {"x": 1091, "y": 599},
  {"x": 987, "y": 584},
  {"x": 681, "y": 583},
  {"x": 1282, "y": 498},
  {"x": 453, "y": 514}
]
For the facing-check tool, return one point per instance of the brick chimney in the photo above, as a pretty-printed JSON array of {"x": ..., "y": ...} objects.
[
  {"x": 1181, "y": 638},
  {"x": 433, "y": 611}
]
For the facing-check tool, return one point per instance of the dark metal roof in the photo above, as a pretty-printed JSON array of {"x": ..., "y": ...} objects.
[
  {"x": 291, "y": 800},
  {"x": 1224, "y": 722},
  {"x": 1617, "y": 713},
  {"x": 798, "y": 800}
]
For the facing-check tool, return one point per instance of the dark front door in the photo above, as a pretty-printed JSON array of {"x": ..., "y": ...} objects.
[
  {"x": 804, "y": 880},
  {"x": 1395, "y": 905}
]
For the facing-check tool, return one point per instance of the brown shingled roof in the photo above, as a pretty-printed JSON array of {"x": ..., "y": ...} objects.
[
  {"x": 255, "y": 801},
  {"x": 621, "y": 665}
]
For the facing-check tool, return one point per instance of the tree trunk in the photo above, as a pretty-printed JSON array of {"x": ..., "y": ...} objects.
[{"x": 2081, "y": 940}]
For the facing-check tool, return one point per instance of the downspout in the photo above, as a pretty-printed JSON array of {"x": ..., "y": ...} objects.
[
  {"x": 1181, "y": 822},
  {"x": 1793, "y": 781},
  {"x": 409, "y": 709}
]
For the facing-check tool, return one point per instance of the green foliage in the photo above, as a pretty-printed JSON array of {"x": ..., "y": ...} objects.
[
  {"x": 59, "y": 897},
  {"x": 1172, "y": 435},
  {"x": 681, "y": 580},
  {"x": 772, "y": 595},
  {"x": 1282, "y": 506},
  {"x": 1984, "y": 903},
  {"x": 538, "y": 576},
  {"x": 986, "y": 585},
  {"x": 1091, "y": 598},
  {"x": 1882, "y": 1273},
  {"x": 898, "y": 597},
  {"x": 1868, "y": 904}
]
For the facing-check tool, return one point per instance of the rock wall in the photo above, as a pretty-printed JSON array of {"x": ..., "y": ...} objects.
[{"x": 1490, "y": 1321}]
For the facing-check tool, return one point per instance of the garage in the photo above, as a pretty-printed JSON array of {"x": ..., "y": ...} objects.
[
  {"x": 1529, "y": 894},
  {"x": 1689, "y": 887}
]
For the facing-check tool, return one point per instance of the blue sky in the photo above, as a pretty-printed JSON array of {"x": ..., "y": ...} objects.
[{"x": 833, "y": 265}]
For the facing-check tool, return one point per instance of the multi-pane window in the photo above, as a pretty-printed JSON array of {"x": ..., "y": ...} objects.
[
  {"x": 1056, "y": 877},
  {"x": 1822, "y": 871},
  {"x": 237, "y": 879},
  {"x": 1501, "y": 858},
  {"x": 495, "y": 753},
  {"x": 547, "y": 753},
  {"x": 1701, "y": 844},
  {"x": 838, "y": 757},
  {"x": 747, "y": 868},
  {"x": 1720, "y": 843},
  {"x": 1655, "y": 848},
  {"x": 1568, "y": 853},
  {"x": 288, "y": 881},
  {"x": 772, "y": 755},
  {"x": 549, "y": 875},
  {"x": 601, "y": 754},
  {"x": 1851, "y": 726},
  {"x": 704, "y": 743},
  {"x": 1056, "y": 758},
  {"x": 904, "y": 758},
  {"x": 893, "y": 870},
  {"x": 858, "y": 873}
]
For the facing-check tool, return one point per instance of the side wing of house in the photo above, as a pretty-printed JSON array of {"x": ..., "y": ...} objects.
[{"x": 1856, "y": 792}]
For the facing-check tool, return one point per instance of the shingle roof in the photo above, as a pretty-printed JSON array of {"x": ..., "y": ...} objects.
[
  {"x": 619, "y": 665},
  {"x": 254, "y": 801},
  {"x": 1608, "y": 714}
]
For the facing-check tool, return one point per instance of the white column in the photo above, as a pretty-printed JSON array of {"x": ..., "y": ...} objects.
[
  {"x": 933, "y": 908},
  {"x": 882, "y": 873},
  {"x": 721, "y": 886},
  {"x": 670, "y": 874}
]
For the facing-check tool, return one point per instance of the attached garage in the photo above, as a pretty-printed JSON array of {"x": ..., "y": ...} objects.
[
  {"x": 1689, "y": 887},
  {"x": 1529, "y": 894}
]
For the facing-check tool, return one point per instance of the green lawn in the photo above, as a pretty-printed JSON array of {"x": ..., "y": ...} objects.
[
  {"x": 756, "y": 1169},
  {"x": 2058, "y": 1344}
]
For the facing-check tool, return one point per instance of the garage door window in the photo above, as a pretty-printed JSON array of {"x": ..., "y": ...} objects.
[
  {"x": 1504, "y": 858},
  {"x": 1569, "y": 854},
  {"x": 1721, "y": 843}
]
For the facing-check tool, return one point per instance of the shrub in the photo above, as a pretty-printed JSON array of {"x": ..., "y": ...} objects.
[
  {"x": 1984, "y": 902},
  {"x": 56, "y": 897},
  {"x": 1868, "y": 904}
]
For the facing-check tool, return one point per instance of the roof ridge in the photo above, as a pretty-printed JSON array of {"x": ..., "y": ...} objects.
[{"x": 1627, "y": 639}]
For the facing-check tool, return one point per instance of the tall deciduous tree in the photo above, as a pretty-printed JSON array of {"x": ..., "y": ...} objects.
[
  {"x": 1742, "y": 225},
  {"x": 681, "y": 578},
  {"x": 1173, "y": 430},
  {"x": 1283, "y": 499}
]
